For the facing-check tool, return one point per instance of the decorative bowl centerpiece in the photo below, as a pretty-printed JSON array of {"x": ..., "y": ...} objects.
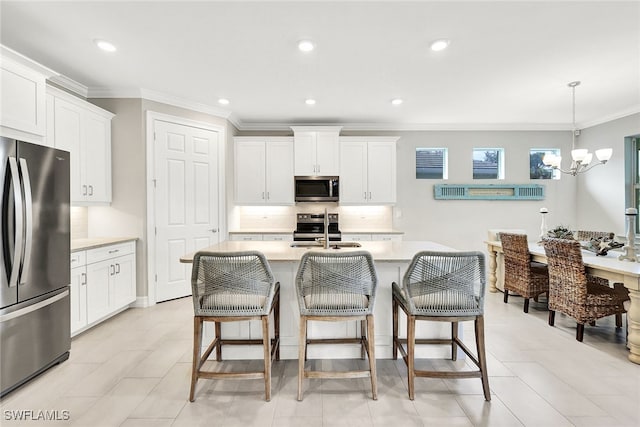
[
  {"x": 560, "y": 232},
  {"x": 601, "y": 245}
]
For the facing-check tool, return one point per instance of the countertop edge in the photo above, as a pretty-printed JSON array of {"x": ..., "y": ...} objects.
[{"x": 78, "y": 245}]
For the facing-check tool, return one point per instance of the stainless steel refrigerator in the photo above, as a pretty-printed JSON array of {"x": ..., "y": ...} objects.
[{"x": 34, "y": 269}]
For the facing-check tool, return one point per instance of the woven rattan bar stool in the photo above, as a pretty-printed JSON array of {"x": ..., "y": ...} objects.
[
  {"x": 337, "y": 287},
  {"x": 522, "y": 276},
  {"x": 442, "y": 287},
  {"x": 232, "y": 287},
  {"x": 577, "y": 294},
  {"x": 588, "y": 235}
]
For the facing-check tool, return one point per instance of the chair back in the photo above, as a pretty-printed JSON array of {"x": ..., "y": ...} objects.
[
  {"x": 516, "y": 255},
  {"x": 567, "y": 275},
  {"x": 583, "y": 235},
  {"x": 446, "y": 283},
  {"x": 231, "y": 284},
  {"x": 336, "y": 283}
]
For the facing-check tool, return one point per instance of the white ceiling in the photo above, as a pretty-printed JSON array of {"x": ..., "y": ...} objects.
[{"x": 508, "y": 64}]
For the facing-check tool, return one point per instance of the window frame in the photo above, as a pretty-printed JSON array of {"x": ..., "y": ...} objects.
[
  {"x": 555, "y": 175},
  {"x": 500, "y": 162},
  {"x": 445, "y": 162}
]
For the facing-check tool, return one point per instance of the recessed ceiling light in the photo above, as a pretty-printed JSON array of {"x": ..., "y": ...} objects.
[
  {"x": 306, "y": 45},
  {"x": 439, "y": 45},
  {"x": 223, "y": 101},
  {"x": 310, "y": 101},
  {"x": 105, "y": 45},
  {"x": 396, "y": 101}
]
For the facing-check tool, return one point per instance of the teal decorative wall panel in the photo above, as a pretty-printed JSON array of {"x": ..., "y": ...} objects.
[{"x": 488, "y": 192}]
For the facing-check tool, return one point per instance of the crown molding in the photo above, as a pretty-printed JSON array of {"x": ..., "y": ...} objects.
[
  {"x": 70, "y": 84},
  {"x": 412, "y": 126},
  {"x": 608, "y": 118},
  {"x": 8, "y": 53}
]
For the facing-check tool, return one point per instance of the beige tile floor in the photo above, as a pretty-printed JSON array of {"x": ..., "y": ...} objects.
[{"x": 134, "y": 371}]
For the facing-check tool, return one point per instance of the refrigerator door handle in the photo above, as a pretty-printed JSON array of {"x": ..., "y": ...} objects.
[
  {"x": 17, "y": 199},
  {"x": 28, "y": 203},
  {"x": 33, "y": 307}
]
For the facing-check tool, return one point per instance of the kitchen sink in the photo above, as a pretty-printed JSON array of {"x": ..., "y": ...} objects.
[
  {"x": 332, "y": 245},
  {"x": 306, "y": 245}
]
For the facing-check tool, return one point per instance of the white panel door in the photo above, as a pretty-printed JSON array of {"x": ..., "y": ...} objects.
[
  {"x": 250, "y": 172},
  {"x": 305, "y": 153},
  {"x": 186, "y": 202},
  {"x": 353, "y": 172},
  {"x": 279, "y": 173},
  {"x": 327, "y": 154},
  {"x": 381, "y": 165},
  {"x": 68, "y": 136}
]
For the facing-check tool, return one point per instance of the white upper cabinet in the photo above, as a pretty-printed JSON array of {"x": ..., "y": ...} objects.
[
  {"x": 317, "y": 152},
  {"x": 84, "y": 130},
  {"x": 368, "y": 170},
  {"x": 22, "y": 97},
  {"x": 263, "y": 170}
]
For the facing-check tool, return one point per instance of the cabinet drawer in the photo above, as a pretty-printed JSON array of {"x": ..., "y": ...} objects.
[
  {"x": 78, "y": 259},
  {"x": 245, "y": 237},
  {"x": 356, "y": 237},
  {"x": 111, "y": 251},
  {"x": 278, "y": 237},
  {"x": 387, "y": 237}
]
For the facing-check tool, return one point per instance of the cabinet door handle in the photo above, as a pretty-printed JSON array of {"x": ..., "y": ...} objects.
[
  {"x": 91, "y": 190},
  {"x": 117, "y": 268},
  {"x": 318, "y": 168},
  {"x": 84, "y": 190},
  {"x": 113, "y": 251},
  {"x": 263, "y": 195},
  {"x": 83, "y": 281},
  {"x": 112, "y": 269},
  {"x": 268, "y": 197},
  {"x": 369, "y": 195},
  {"x": 365, "y": 195}
]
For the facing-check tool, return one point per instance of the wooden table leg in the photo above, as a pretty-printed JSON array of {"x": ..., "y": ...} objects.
[
  {"x": 633, "y": 319},
  {"x": 492, "y": 270}
]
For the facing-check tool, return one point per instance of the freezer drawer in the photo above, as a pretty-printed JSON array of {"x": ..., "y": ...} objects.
[{"x": 31, "y": 341}]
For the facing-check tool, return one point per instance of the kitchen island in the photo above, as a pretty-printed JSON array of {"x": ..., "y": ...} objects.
[{"x": 391, "y": 261}]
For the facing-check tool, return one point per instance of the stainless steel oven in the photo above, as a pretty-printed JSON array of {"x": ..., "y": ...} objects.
[{"x": 310, "y": 227}]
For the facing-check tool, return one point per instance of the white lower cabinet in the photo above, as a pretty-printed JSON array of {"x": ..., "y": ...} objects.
[
  {"x": 256, "y": 237},
  {"x": 364, "y": 237},
  {"x": 103, "y": 286}
]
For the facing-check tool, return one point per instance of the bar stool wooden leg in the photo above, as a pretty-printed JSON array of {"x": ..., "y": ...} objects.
[
  {"x": 394, "y": 343},
  {"x": 372, "y": 356},
  {"x": 197, "y": 345},
  {"x": 266, "y": 340},
  {"x": 411, "y": 348},
  {"x": 454, "y": 344},
  {"x": 302, "y": 351},
  {"x": 218, "y": 329},
  {"x": 482, "y": 357},
  {"x": 276, "y": 325}
]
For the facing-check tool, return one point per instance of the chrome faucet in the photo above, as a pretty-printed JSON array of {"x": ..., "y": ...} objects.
[{"x": 326, "y": 229}]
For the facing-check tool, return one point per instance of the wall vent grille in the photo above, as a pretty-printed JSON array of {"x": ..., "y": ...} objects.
[{"x": 488, "y": 192}]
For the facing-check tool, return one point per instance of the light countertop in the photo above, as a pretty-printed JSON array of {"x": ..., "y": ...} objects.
[
  {"x": 96, "y": 242},
  {"x": 282, "y": 251}
]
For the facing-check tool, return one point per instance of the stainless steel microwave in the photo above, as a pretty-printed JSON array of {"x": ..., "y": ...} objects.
[{"x": 317, "y": 189}]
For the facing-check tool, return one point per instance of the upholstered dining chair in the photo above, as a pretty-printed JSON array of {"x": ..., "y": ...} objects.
[
  {"x": 233, "y": 287},
  {"x": 522, "y": 276},
  {"x": 583, "y": 235},
  {"x": 337, "y": 287},
  {"x": 577, "y": 294},
  {"x": 442, "y": 287}
]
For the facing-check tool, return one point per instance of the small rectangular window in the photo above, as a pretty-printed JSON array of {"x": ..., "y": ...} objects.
[
  {"x": 537, "y": 168},
  {"x": 431, "y": 163},
  {"x": 488, "y": 163}
]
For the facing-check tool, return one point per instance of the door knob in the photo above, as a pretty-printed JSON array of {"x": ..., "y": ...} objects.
[{"x": 213, "y": 230}]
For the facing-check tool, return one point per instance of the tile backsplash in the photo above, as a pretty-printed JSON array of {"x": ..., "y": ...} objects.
[
  {"x": 79, "y": 222},
  {"x": 352, "y": 218}
]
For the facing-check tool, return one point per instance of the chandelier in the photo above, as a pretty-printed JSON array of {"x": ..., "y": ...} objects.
[{"x": 581, "y": 157}]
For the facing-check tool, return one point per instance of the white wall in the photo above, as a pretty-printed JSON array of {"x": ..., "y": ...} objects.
[{"x": 601, "y": 200}]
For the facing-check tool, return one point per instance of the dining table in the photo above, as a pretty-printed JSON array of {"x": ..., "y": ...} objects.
[{"x": 606, "y": 266}]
